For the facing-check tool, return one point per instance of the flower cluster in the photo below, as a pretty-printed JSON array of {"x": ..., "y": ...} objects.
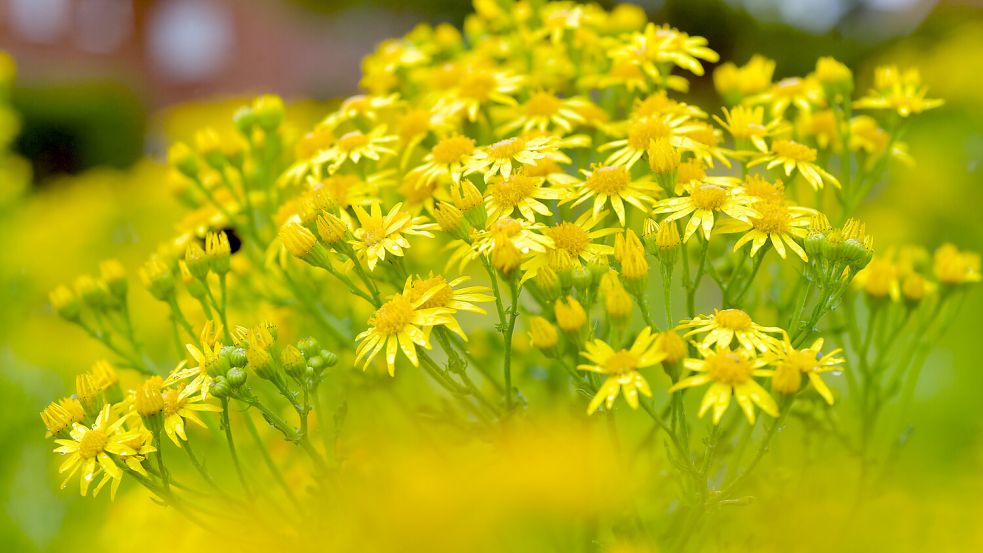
[{"x": 549, "y": 153}]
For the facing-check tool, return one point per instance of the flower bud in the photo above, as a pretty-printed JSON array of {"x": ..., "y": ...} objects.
[
  {"x": 209, "y": 146},
  {"x": 581, "y": 277},
  {"x": 95, "y": 294},
  {"x": 331, "y": 229},
  {"x": 308, "y": 346},
  {"x": 570, "y": 315},
  {"x": 149, "y": 401},
  {"x": 219, "y": 251},
  {"x": 236, "y": 377},
  {"x": 268, "y": 111},
  {"x": 158, "y": 279},
  {"x": 330, "y": 359},
  {"x": 183, "y": 159},
  {"x": 65, "y": 303},
  {"x": 220, "y": 388},
  {"x": 260, "y": 361},
  {"x": 195, "y": 287},
  {"x": 113, "y": 274},
  {"x": 835, "y": 78},
  {"x": 542, "y": 334},
  {"x": 787, "y": 378},
  {"x": 302, "y": 243},
  {"x": 292, "y": 361}
]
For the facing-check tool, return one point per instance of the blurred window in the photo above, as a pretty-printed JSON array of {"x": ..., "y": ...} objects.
[{"x": 190, "y": 40}]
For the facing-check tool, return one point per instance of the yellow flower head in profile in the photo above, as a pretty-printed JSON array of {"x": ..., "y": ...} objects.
[
  {"x": 793, "y": 156},
  {"x": 746, "y": 124},
  {"x": 729, "y": 373},
  {"x": 378, "y": 234},
  {"x": 702, "y": 202},
  {"x": 613, "y": 184},
  {"x": 728, "y": 325},
  {"x": 402, "y": 323},
  {"x": 791, "y": 364},
  {"x": 643, "y": 132},
  {"x": 621, "y": 368},
  {"x": 90, "y": 450},
  {"x": 900, "y": 91},
  {"x": 355, "y": 146},
  {"x": 734, "y": 83},
  {"x": 211, "y": 347}
]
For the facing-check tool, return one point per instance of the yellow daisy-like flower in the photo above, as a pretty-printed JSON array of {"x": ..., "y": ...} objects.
[
  {"x": 621, "y": 368},
  {"x": 644, "y": 131},
  {"x": 572, "y": 242},
  {"x": 503, "y": 157},
  {"x": 607, "y": 184},
  {"x": 657, "y": 45},
  {"x": 747, "y": 124},
  {"x": 477, "y": 87},
  {"x": 504, "y": 195},
  {"x": 727, "y": 325},
  {"x": 804, "y": 94},
  {"x": 378, "y": 233},
  {"x": 729, "y": 373},
  {"x": 776, "y": 222},
  {"x": 449, "y": 297},
  {"x": 544, "y": 111},
  {"x": 702, "y": 202},
  {"x": 180, "y": 406},
  {"x": 447, "y": 160},
  {"x": 791, "y": 155},
  {"x": 355, "y": 146},
  {"x": 89, "y": 448},
  {"x": 952, "y": 266},
  {"x": 524, "y": 236},
  {"x": 401, "y": 324},
  {"x": 790, "y": 364},
  {"x": 899, "y": 91},
  {"x": 201, "y": 381}
]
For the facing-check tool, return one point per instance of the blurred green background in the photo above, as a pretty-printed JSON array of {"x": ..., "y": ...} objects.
[{"x": 102, "y": 87}]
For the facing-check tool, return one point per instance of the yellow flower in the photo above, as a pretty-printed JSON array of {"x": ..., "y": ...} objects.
[
  {"x": 747, "y": 124},
  {"x": 879, "y": 279},
  {"x": 355, "y": 146},
  {"x": 504, "y": 195},
  {"x": 179, "y": 406},
  {"x": 952, "y": 266},
  {"x": 899, "y": 91},
  {"x": 702, "y": 202},
  {"x": 657, "y": 45},
  {"x": 613, "y": 184},
  {"x": 62, "y": 414},
  {"x": 524, "y": 237},
  {"x": 727, "y": 325},
  {"x": 400, "y": 324},
  {"x": 572, "y": 243},
  {"x": 644, "y": 131},
  {"x": 621, "y": 368},
  {"x": 476, "y": 87},
  {"x": 88, "y": 452},
  {"x": 544, "y": 111},
  {"x": 443, "y": 294},
  {"x": 504, "y": 156},
  {"x": 205, "y": 357},
  {"x": 804, "y": 94},
  {"x": 630, "y": 253},
  {"x": 790, "y": 364},
  {"x": 791, "y": 155},
  {"x": 446, "y": 161},
  {"x": 776, "y": 222},
  {"x": 729, "y": 373},
  {"x": 378, "y": 233},
  {"x": 735, "y": 83}
]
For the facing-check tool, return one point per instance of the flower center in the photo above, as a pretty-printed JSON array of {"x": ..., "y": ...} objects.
[
  {"x": 690, "y": 170},
  {"x": 337, "y": 187},
  {"x": 353, "y": 140},
  {"x": 478, "y": 86},
  {"x": 708, "y": 196},
  {"x": 793, "y": 150},
  {"x": 451, "y": 150},
  {"x": 609, "y": 181},
  {"x": 644, "y": 131},
  {"x": 621, "y": 362},
  {"x": 92, "y": 443},
  {"x": 373, "y": 232},
  {"x": 507, "y": 226},
  {"x": 507, "y": 148},
  {"x": 414, "y": 123},
  {"x": 569, "y": 238},
  {"x": 774, "y": 218},
  {"x": 440, "y": 299},
  {"x": 733, "y": 319},
  {"x": 760, "y": 188},
  {"x": 393, "y": 316},
  {"x": 729, "y": 368},
  {"x": 512, "y": 191},
  {"x": 172, "y": 402},
  {"x": 542, "y": 104},
  {"x": 802, "y": 361}
]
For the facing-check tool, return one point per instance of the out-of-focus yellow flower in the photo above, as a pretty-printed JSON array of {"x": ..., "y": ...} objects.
[
  {"x": 790, "y": 364},
  {"x": 899, "y": 91}
]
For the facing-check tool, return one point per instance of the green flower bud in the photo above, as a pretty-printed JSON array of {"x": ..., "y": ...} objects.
[
  {"x": 308, "y": 346},
  {"x": 220, "y": 388},
  {"x": 236, "y": 377},
  {"x": 293, "y": 361}
]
